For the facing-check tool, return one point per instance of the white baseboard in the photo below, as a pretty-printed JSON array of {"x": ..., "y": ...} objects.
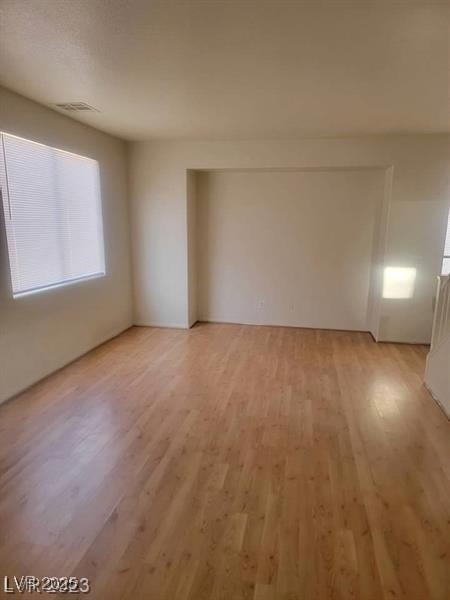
[
  {"x": 163, "y": 325},
  {"x": 436, "y": 399},
  {"x": 284, "y": 325},
  {"x": 102, "y": 340}
]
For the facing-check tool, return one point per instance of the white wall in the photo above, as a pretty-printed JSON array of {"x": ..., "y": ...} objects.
[
  {"x": 41, "y": 332},
  {"x": 191, "y": 223},
  {"x": 287, "y": 247},
  {"x": 437, "y": 373},
  {"x": 418, "y": 204}
]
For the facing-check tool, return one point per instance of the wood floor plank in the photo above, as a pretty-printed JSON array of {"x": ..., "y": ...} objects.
[{"x": 231, "y": 462}]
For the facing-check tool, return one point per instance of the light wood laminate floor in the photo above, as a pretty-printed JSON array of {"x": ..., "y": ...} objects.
[{"x": 231, "y": 462}]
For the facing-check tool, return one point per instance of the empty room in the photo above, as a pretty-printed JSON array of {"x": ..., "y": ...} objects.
[{"x": 225, "y": 299}]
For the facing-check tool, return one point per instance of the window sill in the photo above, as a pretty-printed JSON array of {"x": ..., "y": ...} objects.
[{"x": 58, "y": 285}]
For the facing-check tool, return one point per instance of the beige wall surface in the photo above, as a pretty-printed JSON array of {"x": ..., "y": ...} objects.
[
  {"x": 42, "y": 332},
  {"x": 416, "y": 188},
  {"x": 287, "y": 247}
]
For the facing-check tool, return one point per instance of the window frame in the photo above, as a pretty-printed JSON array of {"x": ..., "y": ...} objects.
[
  {"x": 446, "y": 244},
  {"x": 6, "y": 212}
]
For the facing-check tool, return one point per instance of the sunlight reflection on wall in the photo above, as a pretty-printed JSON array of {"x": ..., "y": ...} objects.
[{"x": 399, "y": 282}]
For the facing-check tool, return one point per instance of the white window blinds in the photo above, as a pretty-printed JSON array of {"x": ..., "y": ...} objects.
[
  {"x": 446, "y": 261},
  {"x": 52, "y": 214}
]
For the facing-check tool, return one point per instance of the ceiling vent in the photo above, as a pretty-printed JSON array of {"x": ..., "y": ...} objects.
[{"x": 76, "y": 107}]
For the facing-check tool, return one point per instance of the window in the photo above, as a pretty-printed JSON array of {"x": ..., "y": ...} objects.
[
  {"x": 446, "y": 261},
  {"x": 52, "y": 209}
]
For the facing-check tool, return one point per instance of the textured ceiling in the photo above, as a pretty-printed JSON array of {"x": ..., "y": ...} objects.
[{"x": 233, "y": 69}]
